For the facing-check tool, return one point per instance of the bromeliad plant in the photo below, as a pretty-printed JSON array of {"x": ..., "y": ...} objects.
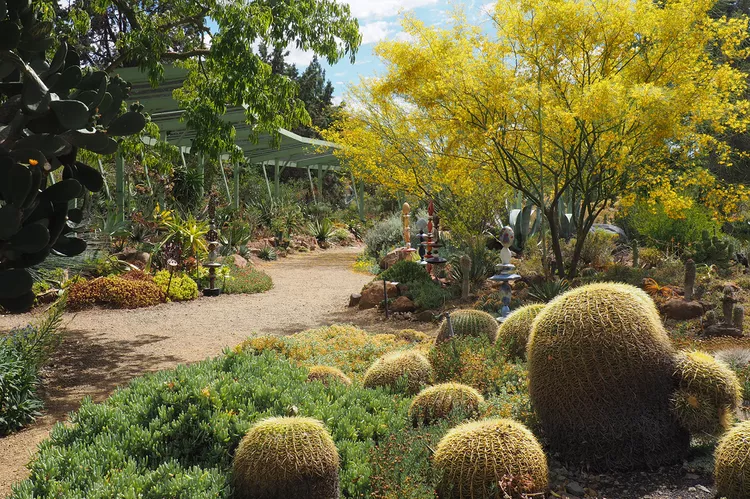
[{"x": 50, "y": 110}]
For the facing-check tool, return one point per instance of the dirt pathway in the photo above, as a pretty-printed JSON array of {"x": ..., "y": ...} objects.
[{"x": 104, "y": 349}]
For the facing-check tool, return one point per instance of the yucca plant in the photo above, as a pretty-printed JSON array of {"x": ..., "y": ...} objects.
[{"x": 50, "y": 110}]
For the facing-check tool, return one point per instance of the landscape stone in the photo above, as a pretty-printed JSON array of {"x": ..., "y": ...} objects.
[
  {"x": 575, "y": 488},
  {"x": 372, "y": 294},
  {"x": 354, "y": 299},
  {"x": 681, "y": 310},
  {"x": 402, "y": 304}
]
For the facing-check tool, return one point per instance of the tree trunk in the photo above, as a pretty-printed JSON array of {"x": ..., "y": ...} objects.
[{"x": 554, "y": 232}]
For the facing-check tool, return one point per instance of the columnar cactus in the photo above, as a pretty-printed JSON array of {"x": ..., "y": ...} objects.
[
  {"x": 474, "y": 458},
  {"x": 600, "y": 379},
  {"x": 690, "y": 274},
  {"x": 280, "y": 458},
  {"x": 49, "y": 110},
  {"x": 469, "y": 323}
]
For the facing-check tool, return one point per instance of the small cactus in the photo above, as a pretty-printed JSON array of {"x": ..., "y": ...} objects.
[
  {"x": 514, "y": 332},
  {"x": 738, "y": 317},
  {"x": 469, "y": 323},
  {"x": 391, "y": 368},
  {"x": 732, "y": 468},
  {"x": 439, "y": 401},
  {"x": 286, "y": 457},
  {"x": 327, "y": 375},
  {"x": 473, "y": 458},
  {"x": 636, "y": 255},
  {"x": 727, "y": 304},
  {"x": 690, "y": 273}
]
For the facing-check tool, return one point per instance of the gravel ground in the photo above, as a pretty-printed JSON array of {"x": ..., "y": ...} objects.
[{"x": 104, "y": 349}]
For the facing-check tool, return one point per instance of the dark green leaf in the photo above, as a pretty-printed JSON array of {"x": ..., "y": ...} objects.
[
  {"x": 58, "y": 61},
  {"x": 70, "y": 246},
  {"x": 90, "y": 178},
  {"x": 68, "y": 79},
  {"x": 95, "y": 142},
  {"x": 14, "y": 283},
  {"x": 3, "y": 9},
  {"x": 63, "y": 191},
  {"x": 15, "y": 181},
  {"x": 48, "y": 144},
  {"x": 75, "y": 215},
  {"x": 71, "y": 114},
  {"x": 10, "y": 35},
  {"x": 35, "y": 95},
  {"x": 30, "y": 239},
  {"x": 25, "y": 155},
  {"x": 130, "y": 123},
  {"x": 20, "y": 303},
  {"x": 10, "y": 221}
]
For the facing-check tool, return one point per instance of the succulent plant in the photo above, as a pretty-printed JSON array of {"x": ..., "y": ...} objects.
[
  {"x": 472, "y": 460},
  {"x": 732, "y": 467},
  {"x": 410, "y": 366},
  {"x": 514, "y": 332},
  {"x": 708, "y": 393},
  {"x": 439, "y": 401},
  {"x": 469, "y": 322},
  {"x": 286, "y": 457},
  {"x": 50, "y": 110},
  {"x": 328, "y": 374},
  {"x": 601, "y": 379}
]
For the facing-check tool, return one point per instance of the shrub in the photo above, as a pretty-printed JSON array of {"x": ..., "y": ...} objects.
[
  {"x": 513, "y": 334},
  {"x": 328, "y": 374},
  {"x": 280, "y": 458},
  {"x": 659, "y": 230},
  {"x": 439, "y": 401},
  {"x": 427, "y": 295},
  {"x": 469, "y": 322},
  {"x": 651, "y": 257},
  {"x": 180, "y": 287},
  {"x": 600, "y": 379},
  {"x": 406, "y": 371},
  {"x": 340, "y": 235},
  {"x": 407, "y": 272},
  {"x": 384, "y": 235},
  {"x": 173, "y": 433},
  {"x": 732, "y": 468},
  {"x": 597, "y": 249},
  {"x": 478, "y": 460},
  {"x": 709, "y": 393},
  {"x": 116, "y": 292},
  {"x": 366, "y": 265},
  {"x": 246, "y": 281}
]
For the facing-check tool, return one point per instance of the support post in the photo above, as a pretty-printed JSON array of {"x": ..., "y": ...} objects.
[
  {"x": 361, "y": 201},
  {"x": 320, "y": 181},
  {"x": 312, "y": 189},
  {"x": 276, "y": 177},
  {"x": 202, "y": 171},
  {"x": 120, "y": 185},
  {"x": 268, "y": 184},
  {"x": 236, "y": 184},
  {"x": 224, "y": 176}
]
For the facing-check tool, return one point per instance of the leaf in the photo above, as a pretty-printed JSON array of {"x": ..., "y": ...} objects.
[
  {"x": 10, "y": 221},
  {"x": 68, "y": 79},
  {"x": 35, "y": 95},
  {"x": 10, "y": 35},
  {"x": 15, "y": 181},
  {"x": 49, "y": 144},
  {"x": 63, "y": 191},
  {"x": 20, "y": 303},
  {"x": 25, "y": 155},
  {"x": 75, "y": 215},
  {"x": 14, "y": 283},
  {"x": 97, "y": 142},
  {"x": 58, "y": 61},
  {"x": 71, "y": 114},
  {"x": 130, "y": 123},
  {"x": 90, "y": 178},
  {"x": 31, "y": 238},
  {"x": 69, "y": 246}
]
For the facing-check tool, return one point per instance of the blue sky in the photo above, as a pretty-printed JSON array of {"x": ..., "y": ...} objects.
[{"x": 380, "y": 20}]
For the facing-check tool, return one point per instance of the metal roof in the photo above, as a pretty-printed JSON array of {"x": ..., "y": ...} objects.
[{"x": 291, "y": 150}]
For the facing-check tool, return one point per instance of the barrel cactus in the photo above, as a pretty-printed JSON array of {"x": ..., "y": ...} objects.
[
  {"x": 472, "y": 460},
  {"x": 469, "y": 323},
  {"x": 389, "y": 370},
  {"x": 328, "y": 374},
  {"x": 439, "y": 401},
  {"x": 280, "y": 458},
  {"x": 50, "y": 110},
  {"x": 515, "y": 329},
  {"x": 600, "y": 379},
  {"x": 732, "y": 467},
  {"x": 708, "y": 393}
]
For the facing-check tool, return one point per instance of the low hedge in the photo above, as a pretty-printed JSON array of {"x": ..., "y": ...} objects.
[{"x": 173, "y": 433}]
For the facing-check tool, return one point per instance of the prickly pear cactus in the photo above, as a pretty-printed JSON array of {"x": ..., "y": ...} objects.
[{"x": 50, "y": 110}]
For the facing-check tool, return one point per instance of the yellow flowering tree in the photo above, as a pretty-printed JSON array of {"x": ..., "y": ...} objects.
[{"x": 593, "y": 100}]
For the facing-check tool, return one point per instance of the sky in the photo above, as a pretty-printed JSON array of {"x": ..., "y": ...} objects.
[{"x": 380, "y": 20}]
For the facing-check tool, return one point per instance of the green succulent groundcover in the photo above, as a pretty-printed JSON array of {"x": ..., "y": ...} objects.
[{"x": 173, "y": 433}]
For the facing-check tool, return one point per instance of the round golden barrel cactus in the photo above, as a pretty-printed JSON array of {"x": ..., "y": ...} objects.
[
  {"x": 280, "y": 458},
  {"x": 409, "y": 365},
  {"x": 328, "y": 374},
  {"x": 732, "y": 466},
  {"x": 473, "y": 458},
  {"x": 514, "y": 332},
  {"x": 469, "y": 322},
  {"x": 437, "y": 402},
  {"x": 601, "y": 379},
  {"x": 709, "y": 393}
]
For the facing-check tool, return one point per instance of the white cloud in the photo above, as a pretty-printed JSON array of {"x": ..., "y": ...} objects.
[
  {"x": 337, "y": 100},
  {"x": 488, "y": 8},
  {"x": 363, "y": 9},
  {"x": 376, "y": 31},
  {"x": 403, "y": 36},
  {"x": 298, "y": 56}
]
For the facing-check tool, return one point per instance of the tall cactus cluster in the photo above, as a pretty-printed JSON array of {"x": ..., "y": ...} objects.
[{"x": 50, "y": 110}]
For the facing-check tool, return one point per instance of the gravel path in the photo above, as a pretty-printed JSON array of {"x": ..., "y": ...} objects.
[{"x": 104, "y": 349}]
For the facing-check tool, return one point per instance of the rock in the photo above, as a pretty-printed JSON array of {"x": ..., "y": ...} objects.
[
  {"x": 703, "y": 488},
  {"x": 402, "y": 304},
  {"x": 722, "y": 329},
  {"x": 612, "y": 229},
  {"x": 575, "y": 488},
  {"x": 354, "y": 299},
  {"x": 391, "y": 258},
  {"x": 372, "y": 294},
  {"x": 425, "y": 316},
  {"x": 691, "y": 476},
  {"x": 138, "y": 258},
  {"x": 238, "y": 261},
  {"x": 681, "y": 310}
]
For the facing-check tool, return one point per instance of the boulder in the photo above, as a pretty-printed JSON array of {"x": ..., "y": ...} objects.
[
  {"x": 612, "y": 229},
  {"x": 393, "y": 257},
  {"x": 402, "y": 304},
  {"x": 237, "y": 260},
  {"x": 426, "y": 316},
  {"x": 722, "y": 329},
  {"x": 681, "y": 310},
  {"x": 354, "y": 299},
  {"x": 138, "y": 258},
  {"x": 372, "y": 294}
]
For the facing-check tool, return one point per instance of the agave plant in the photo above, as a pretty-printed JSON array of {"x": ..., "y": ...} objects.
[
  {"x": 545, "y": 291},
  {"x": 321, "y": 230},
  {"x": 50, "y": 110}
]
